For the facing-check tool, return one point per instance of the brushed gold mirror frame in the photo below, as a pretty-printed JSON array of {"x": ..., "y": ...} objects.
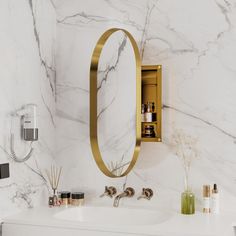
[{"x": 93, "y": 102}]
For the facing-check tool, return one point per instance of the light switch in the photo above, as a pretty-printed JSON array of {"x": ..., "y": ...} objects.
[{"x": 4, "y": 171}]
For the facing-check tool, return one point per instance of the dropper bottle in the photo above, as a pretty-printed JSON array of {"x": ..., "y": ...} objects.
[{"x": 215, "y": 208}]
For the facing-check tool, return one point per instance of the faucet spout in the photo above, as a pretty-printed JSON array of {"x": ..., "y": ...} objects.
[
  {"x": 142, "y": 196},
  {"x": 129, "y": 192},
  {"x": 117, "y": 199}
]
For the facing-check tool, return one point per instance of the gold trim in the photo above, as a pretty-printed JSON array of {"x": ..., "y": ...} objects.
[{"x": 93, "y": 102}]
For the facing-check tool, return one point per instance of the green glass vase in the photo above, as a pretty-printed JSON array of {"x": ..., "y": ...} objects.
[
  {"x": 187, "y": 202},
  {"x": 187, "y": 197}
]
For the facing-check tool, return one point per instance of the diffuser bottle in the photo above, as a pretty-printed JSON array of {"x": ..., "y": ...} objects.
[{"x": 187, "y": 197}]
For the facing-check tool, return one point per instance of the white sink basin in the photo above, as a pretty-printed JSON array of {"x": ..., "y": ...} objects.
[{"x": 112, "y": 216}]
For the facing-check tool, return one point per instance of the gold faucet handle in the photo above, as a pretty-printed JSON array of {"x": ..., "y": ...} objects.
[
  {"x": 109, "y": 191},
  {"x": 129, "y": 192},
  {"x": 147, "y": 193}
]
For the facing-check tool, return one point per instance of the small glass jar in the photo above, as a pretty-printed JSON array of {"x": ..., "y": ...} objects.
[
  {"x": 65, "y": 198},
  {"x": 77, "y": 199},
  {"x": 149, "y": 131}
]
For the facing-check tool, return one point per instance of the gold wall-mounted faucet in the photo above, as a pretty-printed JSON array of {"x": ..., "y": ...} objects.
[{"x": 128, "y": 192}]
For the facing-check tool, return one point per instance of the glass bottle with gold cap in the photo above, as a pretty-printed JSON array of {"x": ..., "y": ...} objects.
[{"x": 206, "y": 198}]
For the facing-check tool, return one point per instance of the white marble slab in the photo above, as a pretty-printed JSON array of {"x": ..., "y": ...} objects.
[{"x": 27, "y": 75}]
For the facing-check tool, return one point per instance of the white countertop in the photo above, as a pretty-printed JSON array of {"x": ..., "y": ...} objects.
[{"x": 198, "y": 224}]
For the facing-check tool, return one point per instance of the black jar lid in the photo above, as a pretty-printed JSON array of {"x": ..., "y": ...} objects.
[
  {"x": 65, "y": 194},
  {"x": 77, "y": 195}
]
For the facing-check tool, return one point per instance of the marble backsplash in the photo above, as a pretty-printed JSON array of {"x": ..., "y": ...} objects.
[
  {"x": 27, "y": 75},
  {"x": 194, "y": 41}
]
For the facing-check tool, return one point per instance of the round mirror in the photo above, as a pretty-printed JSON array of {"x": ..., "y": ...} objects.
[{"x": 115, "y": 103}]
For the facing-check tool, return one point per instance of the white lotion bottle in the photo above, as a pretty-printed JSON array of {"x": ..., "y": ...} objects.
[{"x": 215, "y": 201}]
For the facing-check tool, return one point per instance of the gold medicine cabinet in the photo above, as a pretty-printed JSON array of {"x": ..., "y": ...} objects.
[{"x": 148, "y": 91}]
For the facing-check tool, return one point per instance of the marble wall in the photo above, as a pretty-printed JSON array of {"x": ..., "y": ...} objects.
[
  {"x": 195, "y": 43},
  {"x": 27, "y": 75}
]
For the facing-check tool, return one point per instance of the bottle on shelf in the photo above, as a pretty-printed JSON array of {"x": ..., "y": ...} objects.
[
  {"x": 143, "y": 112},
  {"x": 147, "y": 112}
]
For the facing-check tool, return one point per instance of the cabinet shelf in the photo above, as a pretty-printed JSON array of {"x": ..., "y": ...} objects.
[
  {"x": 145, "y": 139},
  {"x": 153, "y": 122}
]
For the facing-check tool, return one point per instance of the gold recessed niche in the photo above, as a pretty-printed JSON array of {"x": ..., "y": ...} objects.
[
  {"x": 148, "y": 88},
  {"x": 152, "y": 92}
]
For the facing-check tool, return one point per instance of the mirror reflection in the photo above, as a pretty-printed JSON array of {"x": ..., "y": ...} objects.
[{"x": 116, "y": 94}]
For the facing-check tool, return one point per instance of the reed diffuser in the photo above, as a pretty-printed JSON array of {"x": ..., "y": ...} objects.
[
  {"x": 186, "y": 151},
  {"x": 54, "y": 175}
]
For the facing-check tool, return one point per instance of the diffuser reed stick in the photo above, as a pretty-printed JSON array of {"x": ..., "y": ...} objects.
[{"x": 54, "y": 175}]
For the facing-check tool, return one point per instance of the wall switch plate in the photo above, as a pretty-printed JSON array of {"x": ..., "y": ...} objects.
[{"x": 4, "y": 171}]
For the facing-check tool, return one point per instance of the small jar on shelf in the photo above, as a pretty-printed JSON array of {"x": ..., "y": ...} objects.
[{"x": 149, "y": 131}]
